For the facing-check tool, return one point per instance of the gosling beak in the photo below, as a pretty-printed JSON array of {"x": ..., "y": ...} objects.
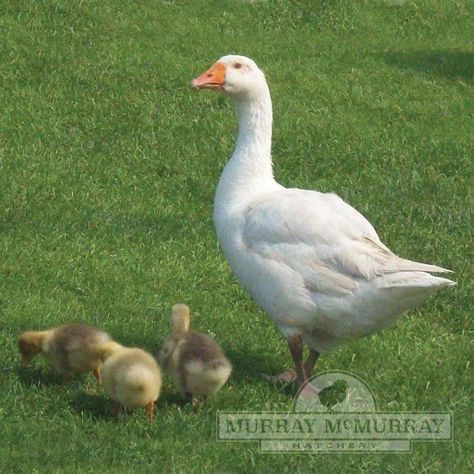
[{"x": 213, "y": 78}]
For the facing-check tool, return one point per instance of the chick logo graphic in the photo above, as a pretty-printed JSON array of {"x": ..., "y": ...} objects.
[
  {"x": 335, "y": 412},
  {"x": 332, "y": 392}
]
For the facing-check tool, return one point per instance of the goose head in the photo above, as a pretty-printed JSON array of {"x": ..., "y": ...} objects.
[{"x": 237, "y": 76}]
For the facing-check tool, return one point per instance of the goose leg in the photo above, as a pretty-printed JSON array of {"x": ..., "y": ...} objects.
[
  {"x": 97, "y": 376},
  {"x": 116, "y": 408},
  {"x": 308, "y": 392},
  {"x": 295, "y": 344},
  {"x": 150, "y": 410},
  {"x": 310, "y": 362},
  {"x": 194, "y": 401}
]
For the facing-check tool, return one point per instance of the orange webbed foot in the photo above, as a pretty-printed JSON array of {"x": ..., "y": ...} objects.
[{"x": 150, "y": 410}]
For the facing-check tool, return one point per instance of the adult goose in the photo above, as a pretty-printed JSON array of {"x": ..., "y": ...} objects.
[{"x": 310, "y": 260}]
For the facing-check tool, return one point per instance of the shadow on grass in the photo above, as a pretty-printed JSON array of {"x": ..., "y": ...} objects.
[
  {"x": 171, "y": 396},
  {"x": 98, "y": 406},
  {"x": 32, "y": 376},
  {"x": 444, "y": 63},
  {"x": 248, "y": 365}
]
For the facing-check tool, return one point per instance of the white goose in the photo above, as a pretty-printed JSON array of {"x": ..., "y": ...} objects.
[{"x": 310, "y": 260}]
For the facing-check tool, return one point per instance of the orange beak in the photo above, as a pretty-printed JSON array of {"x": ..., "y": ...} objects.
[{"x": 213, "y": 78}]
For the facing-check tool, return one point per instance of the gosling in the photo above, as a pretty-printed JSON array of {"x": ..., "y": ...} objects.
[
  {"x": 131, "y": 377},
  {"x": 196, "y": 362},
  {"x": 71, "y": 348}
]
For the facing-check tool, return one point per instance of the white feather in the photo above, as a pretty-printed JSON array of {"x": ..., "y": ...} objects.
[{"x": 310, "y": 260}]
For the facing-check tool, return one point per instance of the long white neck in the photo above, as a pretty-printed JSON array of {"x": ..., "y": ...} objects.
[
  {"x": 249, "y": 170},
  {"x": 253, "y": 147}
]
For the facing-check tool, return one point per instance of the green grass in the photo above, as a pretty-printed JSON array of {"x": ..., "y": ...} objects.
[{"x": 108, "y": 165}]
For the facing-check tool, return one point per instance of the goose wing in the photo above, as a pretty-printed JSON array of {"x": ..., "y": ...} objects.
[{"x": 330, "y": 244}]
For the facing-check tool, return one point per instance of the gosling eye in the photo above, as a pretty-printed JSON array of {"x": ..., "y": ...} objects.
[{"x": 237, "y": 65}]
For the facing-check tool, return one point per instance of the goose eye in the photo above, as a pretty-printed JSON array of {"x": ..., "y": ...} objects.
[{"x": 237, "y": 65}]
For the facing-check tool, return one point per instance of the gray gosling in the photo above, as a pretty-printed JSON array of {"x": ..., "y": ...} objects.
[
  {"x": 71, "y": 348},
  {"x": 196, "y": 362}
]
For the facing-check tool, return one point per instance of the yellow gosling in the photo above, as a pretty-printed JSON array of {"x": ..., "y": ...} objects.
[{"x": 131, "y": 377}]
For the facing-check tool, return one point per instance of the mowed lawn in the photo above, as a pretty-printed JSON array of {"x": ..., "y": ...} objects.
[{"x": 108, "y": 166}]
